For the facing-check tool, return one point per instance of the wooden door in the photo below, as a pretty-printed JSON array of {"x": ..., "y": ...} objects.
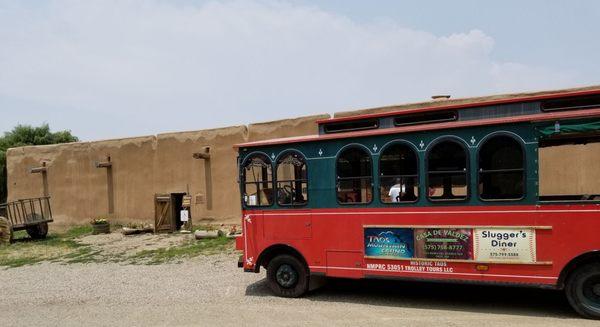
[{"x": 164, "y": 221}]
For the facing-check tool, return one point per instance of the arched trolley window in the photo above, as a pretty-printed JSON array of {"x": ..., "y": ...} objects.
[
  {"x": 447, "y": 174},
  {"x": 398, "y": 174},
  {"x": 354, "y": 176},
  {"x": 292, "y": 181},
  {"x": 501, "y": 169},
  {"x": 257, "y": 181}
]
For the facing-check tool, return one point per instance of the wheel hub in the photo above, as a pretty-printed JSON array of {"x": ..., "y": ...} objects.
[
  {"x": 286, "y": 276},
  {"x": 591, "y": 291}
]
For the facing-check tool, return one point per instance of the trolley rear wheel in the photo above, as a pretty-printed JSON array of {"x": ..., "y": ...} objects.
[
  {"x": 38, "y": 231},
  {"x": 287, "y": 276},
  {"x": 583, "y": 290}
]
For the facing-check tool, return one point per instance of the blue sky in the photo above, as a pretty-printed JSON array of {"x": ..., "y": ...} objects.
[
  {"x": 109, "y": 68},
  {"x": 560, "y": 34}
]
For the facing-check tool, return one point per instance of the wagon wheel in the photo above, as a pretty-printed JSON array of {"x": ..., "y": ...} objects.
[
  {"x": 38, "y": 231},
  {"x": 6, "y": 232}
]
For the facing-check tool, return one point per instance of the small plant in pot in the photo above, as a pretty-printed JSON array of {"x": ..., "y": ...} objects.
[{"x": 100, "y": 226}]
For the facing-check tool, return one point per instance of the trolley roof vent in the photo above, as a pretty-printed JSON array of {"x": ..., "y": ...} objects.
[
  {"x": 425, "y": 118},
  {"x": 572, "y": 103},
  {"x": 440, "y": 97},
  {"x": 349, "y": 126}
]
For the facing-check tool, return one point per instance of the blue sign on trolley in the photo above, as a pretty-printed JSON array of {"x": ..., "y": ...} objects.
[{"x": 394, "y": 243}]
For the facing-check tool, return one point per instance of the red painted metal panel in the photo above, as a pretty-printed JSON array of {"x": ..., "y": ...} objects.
[
  {"x": 252, "y": 233},
  {"x": 566, "y": 231},
  {"x": 286, "y": 228},
  {"x": 239, "y": 243},
  {"x": 347, "y": 264}
]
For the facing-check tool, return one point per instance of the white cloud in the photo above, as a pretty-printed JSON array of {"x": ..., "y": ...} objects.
[{"x": 118, "y": 68}]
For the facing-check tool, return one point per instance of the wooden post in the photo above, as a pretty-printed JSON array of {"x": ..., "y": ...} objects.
[
  {"x": 208, "y": 182},
  {"x": 42, "y": 170},
  {"x": 109, "y": 183},
  {"x": 110, "y": 191},
  {"x": 205, "y": 155}
]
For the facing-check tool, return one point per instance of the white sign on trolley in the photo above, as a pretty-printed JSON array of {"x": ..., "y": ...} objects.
[{"x": 505, "y": 245}]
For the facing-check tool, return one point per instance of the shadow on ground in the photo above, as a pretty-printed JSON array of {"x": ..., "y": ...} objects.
[
  {"x": 26, "y": 239},
  {"x": 530, "y": 302}
]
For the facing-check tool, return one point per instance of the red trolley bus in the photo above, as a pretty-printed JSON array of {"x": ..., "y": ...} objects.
[{"x": 499, "y": 191}]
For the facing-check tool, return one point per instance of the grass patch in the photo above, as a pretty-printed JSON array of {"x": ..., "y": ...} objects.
[
  {"x": 20, "y": 234},
  {"x": 27, "y": 251},
  {"x": 68, "y": 247},
  {"x": 208, "y": 227},
  {"x": 78, "y": 231},
  {"x": 190, "y": 249}
]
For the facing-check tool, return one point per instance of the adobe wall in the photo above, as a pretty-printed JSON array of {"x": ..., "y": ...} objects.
[
  {"x": 178, "y": 172},
  {"x": 141, "y": 168},
  {"x": 79, "y": 190},
  {"x": 149, "y": 165}
]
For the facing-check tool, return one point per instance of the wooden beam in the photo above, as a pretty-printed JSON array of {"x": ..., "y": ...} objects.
[
  {"x": 105, "y": 164},
  {"x": 38, "y": 170}
]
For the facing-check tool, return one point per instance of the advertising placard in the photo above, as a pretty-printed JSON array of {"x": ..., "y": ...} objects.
[
  {"x": 444, "y": 243},
  {"x": 393, "y": 243},
  {"x": 505, "y": 244}
]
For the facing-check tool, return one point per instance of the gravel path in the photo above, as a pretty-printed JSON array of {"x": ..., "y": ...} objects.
[{"x": 210, "y": 290}]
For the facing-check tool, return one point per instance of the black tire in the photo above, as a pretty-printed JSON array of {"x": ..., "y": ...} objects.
[
  {"x": 287, "y": 276},
  {"x": 38, "y": 231},
  {"x": 583, "y": 290}
]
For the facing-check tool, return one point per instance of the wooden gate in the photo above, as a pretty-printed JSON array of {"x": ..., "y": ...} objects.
[{"x": 164, "y": 220}]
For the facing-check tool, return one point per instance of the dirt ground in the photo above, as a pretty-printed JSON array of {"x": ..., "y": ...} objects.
[
  {"x": 212, "y": 291},
  {"x": 77, "y": 245},
  {"x": 119, "y": 244}
]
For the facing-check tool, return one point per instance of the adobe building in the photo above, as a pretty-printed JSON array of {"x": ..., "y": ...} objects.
[{"x": 126, "y": 180}]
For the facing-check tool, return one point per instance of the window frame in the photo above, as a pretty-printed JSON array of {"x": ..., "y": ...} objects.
[
  {"x": 244, "y": 183},
  {"x": 524, "y": 169},
  {"x": 465, "y": 147},
  {"x": 276, "y": 180},
  {"x": 337, "y": 179},
  {"x": 417, "y": 176}
]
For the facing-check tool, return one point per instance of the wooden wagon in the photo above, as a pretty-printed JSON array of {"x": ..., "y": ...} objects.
[{"x": 32, "y": 215}]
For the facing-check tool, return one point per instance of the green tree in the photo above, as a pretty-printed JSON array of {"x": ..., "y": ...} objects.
[{"x": 23, "y": 135}]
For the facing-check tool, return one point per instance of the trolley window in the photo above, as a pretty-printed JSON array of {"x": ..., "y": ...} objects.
[
  {"x": 501, "y": 169},
  {"x": 447, "y": 172},
  {"x": 257, "y": 180},
  {"x": 292, "y": 182},
  {"x": 354, "y": 176},
  {"x": 398, "y": 174},
  {"x": 568, "y": 164}
]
